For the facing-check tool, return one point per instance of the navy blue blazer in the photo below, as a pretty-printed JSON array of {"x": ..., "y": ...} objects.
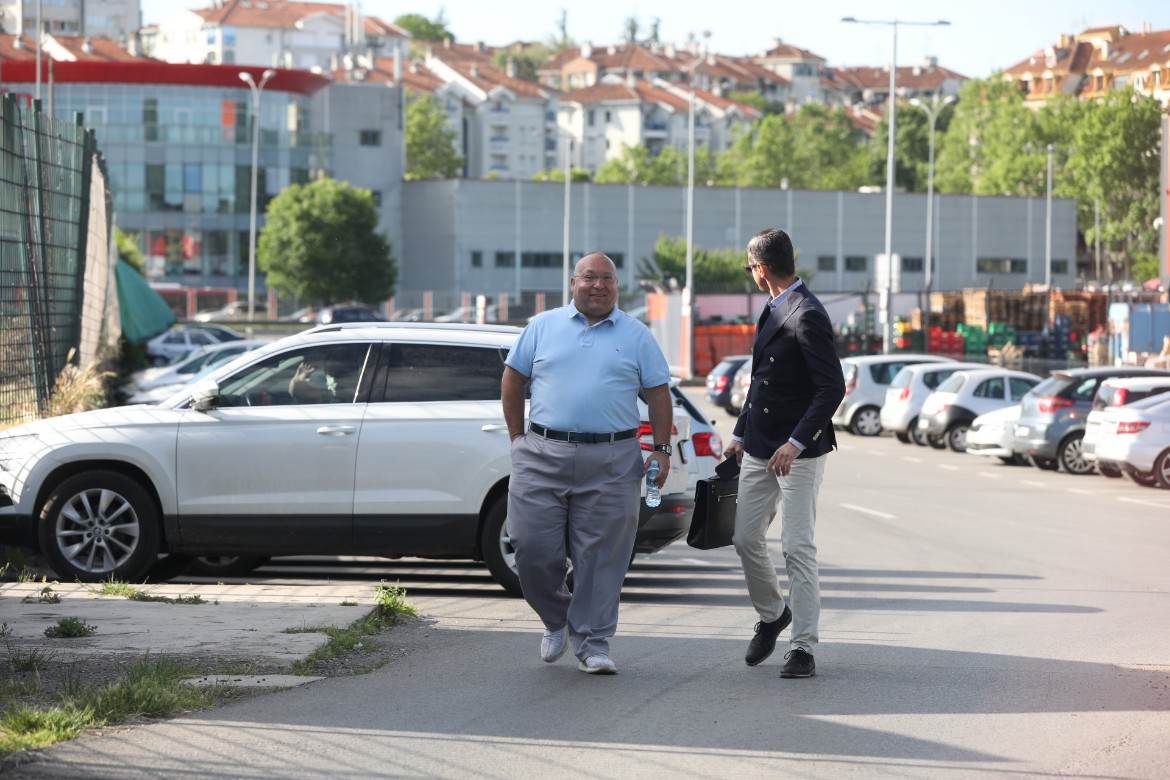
[{"x": 797, "y": 382}]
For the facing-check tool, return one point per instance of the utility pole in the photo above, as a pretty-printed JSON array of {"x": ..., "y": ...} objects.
[
  {"x": 256, "y": 89},
  {"x": 565, "y": 239},
  {"x": 932, "y": 113},
  {"x": 1048, "y": 225},
  {"x": 689, "y": 289}
]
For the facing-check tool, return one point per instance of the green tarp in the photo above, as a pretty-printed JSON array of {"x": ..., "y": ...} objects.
[{"x": 144, "y": 312}]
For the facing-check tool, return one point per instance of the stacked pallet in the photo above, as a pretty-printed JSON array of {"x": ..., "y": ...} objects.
[{"x": 946, "y": 309}]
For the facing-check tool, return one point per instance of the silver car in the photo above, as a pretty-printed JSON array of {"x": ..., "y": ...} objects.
[
  {"x": 866, "y": 380},
  {"x": 908, "y": 391}
]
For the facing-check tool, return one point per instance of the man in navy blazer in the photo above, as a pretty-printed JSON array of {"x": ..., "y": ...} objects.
[{"x": 783, "y": 433}]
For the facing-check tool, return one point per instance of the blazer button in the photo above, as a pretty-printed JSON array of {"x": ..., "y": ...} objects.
[
  {"x": 749, "y": 406},
  {"x": 765, "y": 381},
  {"x": 765, "y": 410},
  {"x": 771, "y": 360}
]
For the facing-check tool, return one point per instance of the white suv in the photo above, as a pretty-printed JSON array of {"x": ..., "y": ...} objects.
[{"x": 372, "y": 439}]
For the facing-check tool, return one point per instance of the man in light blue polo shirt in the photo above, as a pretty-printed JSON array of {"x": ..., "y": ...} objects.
[{"x": 576, "y": 472}]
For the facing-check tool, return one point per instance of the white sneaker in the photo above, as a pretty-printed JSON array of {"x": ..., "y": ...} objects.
[
  {"x": 553, "y": 644},
  {"x": 597, "y": 664}
]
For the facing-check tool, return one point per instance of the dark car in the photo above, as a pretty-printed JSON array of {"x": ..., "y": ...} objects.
[
  {"x": 1051, "y": 427},
  {"x": 332, "y": 315},
  {"x": 719, "y": 380}
]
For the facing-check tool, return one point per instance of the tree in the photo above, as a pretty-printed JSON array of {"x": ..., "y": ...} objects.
[
  {"x": 637, "y": 165},
  {"x": 630, "y": 29},
  {"x": 911, "y": 148},
  {"x": 562, "y": 40},
  {"x": 430, "y": 142},
  {"x": 128, "y": 250},
  {"x": 526, "y": 61},
  {"x": 715, "y": 270},
  {"x": 320, "y": 244},
  {"x": 558, "y": 174},
  {"x": 424, "y": 29},
  {"x": 756, "y": 101}
]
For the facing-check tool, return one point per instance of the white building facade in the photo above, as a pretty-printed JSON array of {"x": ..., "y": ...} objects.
[{"x": 117, "y": 19}]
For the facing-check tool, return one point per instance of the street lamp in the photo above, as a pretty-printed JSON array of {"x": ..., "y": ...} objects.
[
  {"x": 891, "y": 130},
  {"x": 932, "y": 111},
  {"x": 689, "y": 290},
  {"x": 256, "y": 90},
  {"x": 565, "y": 239}
]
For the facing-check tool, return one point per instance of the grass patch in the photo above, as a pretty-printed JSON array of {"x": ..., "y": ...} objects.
[
  {"x": 307, "y": 630},
  {"x": 347, "y": 603},
  {"x": 390, "y": 607},
  {"x": 392, "y": 604},
  {"x": 47, "y": 596},
  {"x": 70, "y": 628},
  {"x": 128, "y": 591},
  {"x": 117, "y": 588},
  {"x": 150, "y": 688},
  {"x": 32, "y": 660}
]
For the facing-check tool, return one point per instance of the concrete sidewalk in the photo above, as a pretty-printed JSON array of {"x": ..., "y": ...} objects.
[{"x": 246, "y": 622}]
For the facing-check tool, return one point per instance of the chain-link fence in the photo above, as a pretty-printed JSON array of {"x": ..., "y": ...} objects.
[{"x": 57, "y": 291}]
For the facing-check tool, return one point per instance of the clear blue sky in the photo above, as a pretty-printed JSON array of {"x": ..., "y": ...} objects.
[{"x": 985, "y": 34}]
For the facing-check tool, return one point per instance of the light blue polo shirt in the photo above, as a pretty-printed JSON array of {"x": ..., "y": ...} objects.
[{"x": 586, "y": 377}]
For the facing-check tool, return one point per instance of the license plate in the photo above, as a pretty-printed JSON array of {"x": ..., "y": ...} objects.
[{"x": 1021, "y": 431}]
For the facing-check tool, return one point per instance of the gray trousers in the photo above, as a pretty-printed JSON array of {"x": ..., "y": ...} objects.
[
  {"x": 761, "y": 494},
  {"x": 575, "y": 501}
]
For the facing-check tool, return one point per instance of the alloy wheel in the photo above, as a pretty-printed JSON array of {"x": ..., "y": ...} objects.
[
  {"x": 1072, "y": 457},
  {"x": 917, "y": 435},
  {"x": 957, "y": 438},
  {"x": 97, "y": 530},
  {"x": 867, "y": 422}
]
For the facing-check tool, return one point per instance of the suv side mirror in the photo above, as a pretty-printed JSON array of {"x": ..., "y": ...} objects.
[{"x": 204, "y": 396}]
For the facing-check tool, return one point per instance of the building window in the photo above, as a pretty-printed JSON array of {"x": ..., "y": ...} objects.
[
  {"x": 912, "y": 265},
  {"x": 499, "y": 162},
  {"x": 608, "y": 117},
  {"x": 499, "y": 133},
  {"x": 1001, "y": 265},
  {"x": 826, "y": 263},
  {"x": 856, "y": 263},
  {"x": 377, "y": 196},
  {"x": 1059, "y": 266},
  {"x": 477, "y": 259},
  {"x": 505, "y": 259},
  {"x": 370, "y": 137},
  {"x": 592, "y": 117}
]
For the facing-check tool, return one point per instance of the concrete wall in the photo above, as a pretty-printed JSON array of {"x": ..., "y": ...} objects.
[{"x": 484, "y": 216}]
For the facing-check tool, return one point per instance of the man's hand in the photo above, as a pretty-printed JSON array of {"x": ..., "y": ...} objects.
[
  {"x": 734, "y": 450},
  {"x": 781, "y": 460},
  {"x": 663, "y": 466}
]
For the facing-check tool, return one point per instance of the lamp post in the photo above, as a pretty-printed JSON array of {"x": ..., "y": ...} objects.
[
  {"x": 689, "y": 290},
  {"x": 565, "y": 238},
  {"x": 891, "y": 131},
  {"x": 932, "y": 111},
  {"x": 1048, "y": 225},
  {"x": 256, "y": 90}
]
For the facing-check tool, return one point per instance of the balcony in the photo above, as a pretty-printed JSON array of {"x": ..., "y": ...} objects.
[{"x": 654, "y": 129}]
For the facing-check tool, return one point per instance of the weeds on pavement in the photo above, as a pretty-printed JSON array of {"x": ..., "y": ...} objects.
[
  {"x": 148, "y": 687},
  {"x": 47, "y": 596},
  {"x": 70, "y": 628},
  {"x": 32, "y": 660},
  {"x": 391, "y": 606},
  {"x": 128, "y": 591},
  {"x": 392, "y": 603}
]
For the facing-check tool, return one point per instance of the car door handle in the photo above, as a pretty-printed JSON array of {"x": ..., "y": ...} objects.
[
  {"x": 493, "y": 427},
  {"x": 336, "y": 430}
]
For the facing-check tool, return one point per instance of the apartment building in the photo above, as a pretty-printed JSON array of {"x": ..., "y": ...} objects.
[
  {"x": 867, "y": 86},
  {"x": 117, "y": 19},
  {"x": 274, "y": 33},
  {"x": 804, "y": 71},
  {"x": 1094, "y": 63}
]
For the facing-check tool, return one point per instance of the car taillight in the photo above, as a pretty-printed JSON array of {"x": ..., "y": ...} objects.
[
  {"x": 1119, "y": 396},
  {"x": 1132, "y": 426},
  {"x": 905, "y": 394},
  {"x": 944, "y": 407},
  {"x": 644, "y": 431},
  {"x": 708, "y": 444},
  {"x": 721, "y": 382},
  {"x": 851, "y": 385},
  {"x": 1053, "y": 404}
]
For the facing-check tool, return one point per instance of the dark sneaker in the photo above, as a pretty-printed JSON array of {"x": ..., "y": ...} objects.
[
  {"x": 764, "y": 642},
  {"x": 798, "y": 663}
]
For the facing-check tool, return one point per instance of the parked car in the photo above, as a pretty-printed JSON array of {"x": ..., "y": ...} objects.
[
  {"x": 948, "y": 412},
  {"x": 908, "y": 391},
  {"x": 303, "y": 314},
  {"x": 740, "y": 384},
  {"x": 236, "y": 310},
  {"x": 333, "y": 315},
  {"x": 1136, "y": 440},
  {"x": 491, "y": 313},
  {"x": 866, "y": 380},
  {"x": 220, "y": 332},
  {"x": 1116, "y": 392},
  {"x": 1051, "y": 427},
  {"x": 186, "y": 369},
  {"x": 177, "y": 343},
  {"x": 990, "y": 435},
  {"x": 719, "y": 379},
  {"x": 399, "y": 448}
]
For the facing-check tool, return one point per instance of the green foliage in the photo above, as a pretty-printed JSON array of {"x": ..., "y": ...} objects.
[
  {"x": 713, "y": 268},
  {"x": 47, "y": 596},
  {"x": 128, "y": 250},
  {"x": 70, "y": 628},
  {"x": 424, "y": 29},
  {"x": 430, "y": 141},
  {"x": 757, "y": 101},
  {"x": 558, "y": 174},
  {"x": 815, "y": 148},
  {"x": 321, "y": 245},
  {"x": 637, "y": 165},
  {"x": 526, "y": 61},
  {"x": 392, "y": 603},
  {"x": 911, "y": 148}
]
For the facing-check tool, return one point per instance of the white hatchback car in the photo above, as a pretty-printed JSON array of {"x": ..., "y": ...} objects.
[
  {"x": 178, "y": 343},
  {"x": 371, "y": 439},
  {"x": 908, "y": 391},
  {"x": 948, "y": 412},
  {"x": 866, "y": 379},
  {"x": 1136, "y": 439},
  {"x": 992, "y": 433},
  {"x": 1119, "y": 391}
]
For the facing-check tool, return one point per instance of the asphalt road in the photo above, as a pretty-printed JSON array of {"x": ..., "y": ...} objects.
[{"x": 978, "y": 620}]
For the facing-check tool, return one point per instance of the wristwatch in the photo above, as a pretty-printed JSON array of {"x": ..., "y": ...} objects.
[{"x": 663, "y": 448}]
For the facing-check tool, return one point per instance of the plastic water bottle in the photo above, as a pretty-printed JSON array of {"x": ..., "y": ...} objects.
[{"x": 653, "y": 495}]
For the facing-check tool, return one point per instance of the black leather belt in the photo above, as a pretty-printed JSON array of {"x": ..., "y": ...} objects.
[{"x": 573, "y": 437}]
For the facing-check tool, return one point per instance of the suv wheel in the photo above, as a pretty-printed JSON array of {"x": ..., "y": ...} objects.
[
  {"x": 225, "y": 565},
  {"x": 100, "y": 525},
  {"x": 957, "y": 437},
  {"x": 1071, "y": 457},
  {"x": 867, "y": 421},
  {"x": 1162, "y": 469}
]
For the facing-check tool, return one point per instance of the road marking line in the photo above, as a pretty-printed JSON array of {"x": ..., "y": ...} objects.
[
  {"x": 948, "y": 467},
  {"x": 1081, "y": 492},
  {"x": 865, "y": 511},
  {"x": 911, "y": 460},
  {"x": 1142, "y": 502},
  {"x": 989, "y": 475},
  {"x": 1031, "y": 483}
]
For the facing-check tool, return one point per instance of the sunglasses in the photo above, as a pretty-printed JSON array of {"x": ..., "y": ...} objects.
[{"x": 751, "y": 267}]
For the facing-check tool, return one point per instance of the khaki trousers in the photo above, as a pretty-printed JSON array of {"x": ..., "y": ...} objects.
[{"x": 763, "y": 494}]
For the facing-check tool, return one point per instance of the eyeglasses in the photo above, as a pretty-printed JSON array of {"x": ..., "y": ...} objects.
[
  {"x": 751, "y": 267},
  {"x": 606, "y": 279}
]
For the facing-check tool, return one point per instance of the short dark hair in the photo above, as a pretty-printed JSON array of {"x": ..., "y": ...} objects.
[{"x": 773, "y": 248}]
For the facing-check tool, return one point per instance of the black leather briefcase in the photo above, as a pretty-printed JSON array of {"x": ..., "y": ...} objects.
[{"x": 713, "y": 522}]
